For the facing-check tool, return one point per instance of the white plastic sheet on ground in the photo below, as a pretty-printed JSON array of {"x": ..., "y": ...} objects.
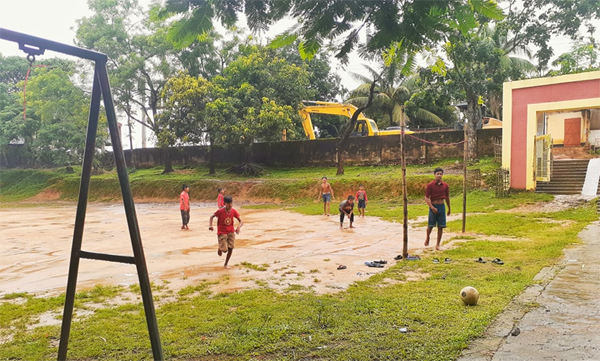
[{"x": 590, "y": 186}]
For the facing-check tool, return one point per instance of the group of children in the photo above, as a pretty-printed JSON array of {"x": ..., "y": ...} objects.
[
  {"x": 225, "y": 215},
  {"x": 436, "y": 194},
  {"x": 346, "y": 207},
  {"x": 437, "y": 197}
]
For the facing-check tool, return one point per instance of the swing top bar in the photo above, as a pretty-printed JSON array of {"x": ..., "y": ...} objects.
[{"x": 33, "y": 45}]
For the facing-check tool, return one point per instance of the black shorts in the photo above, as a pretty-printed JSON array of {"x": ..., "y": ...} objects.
[
  {"x": 362, "y": 203},
  {"x": 185, "y": 217},
  {"x": 342, "y": 214}
]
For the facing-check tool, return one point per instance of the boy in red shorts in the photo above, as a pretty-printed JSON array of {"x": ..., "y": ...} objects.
[{"x": 225, "y": 229}]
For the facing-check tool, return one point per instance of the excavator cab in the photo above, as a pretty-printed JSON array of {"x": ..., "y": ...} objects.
[
  {"x": 360, "y": 130},
  {"x": 365, "y": 128}
]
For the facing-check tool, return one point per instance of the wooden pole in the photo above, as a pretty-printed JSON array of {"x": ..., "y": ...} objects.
[
  {"x": 465, "y": 158},
  {"x": 404, "y": 197}
]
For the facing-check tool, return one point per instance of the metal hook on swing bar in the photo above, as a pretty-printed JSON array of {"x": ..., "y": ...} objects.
[{"x": 32, "y": 51}]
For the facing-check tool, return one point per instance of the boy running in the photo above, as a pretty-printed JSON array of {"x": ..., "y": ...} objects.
[
  {"x": 220, "y": 198},
  {"x": 435, "y": 194},
  {"x": 326, "y": 192},
  {"x": 346, "y": 209},
  {"x": 184, "y": 206},
  {"x": 225, "y": 228},
  {"x": 361, "y": 195}
]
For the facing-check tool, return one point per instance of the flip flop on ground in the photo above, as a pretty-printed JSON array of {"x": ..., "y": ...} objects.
[
  {"x": 497, "y": 261},
  {"x": 436, "y": 260},
  {"x": 480, "y": 260},
  {"x": 373, "y": 264},
  {"x": 447, "y": 260},
  {"x": 380, "y": 262},
  {"x": 341, "y": 266},
  {"x": 398, "y": 257},
  {"x": 413, "y": 258}
]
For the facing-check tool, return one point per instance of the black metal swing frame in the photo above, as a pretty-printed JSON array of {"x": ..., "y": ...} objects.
[{"x": 34, "y": 46}]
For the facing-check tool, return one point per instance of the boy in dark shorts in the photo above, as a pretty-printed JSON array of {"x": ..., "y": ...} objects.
[
  {"x": 361, "y": 196},
  {"x": 347, "y": 209},
  {"x": 435, "y": 194},
  {"x": 225, "y": 229},
  {"x": 184, "y": 207}
]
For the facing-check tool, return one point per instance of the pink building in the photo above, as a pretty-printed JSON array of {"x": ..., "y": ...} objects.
[{"x": 546, "y": 113}]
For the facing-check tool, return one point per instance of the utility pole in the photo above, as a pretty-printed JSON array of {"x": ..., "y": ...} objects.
[
  {"x": 465, "y": 158},
  {"x": 404, "y": 197}
]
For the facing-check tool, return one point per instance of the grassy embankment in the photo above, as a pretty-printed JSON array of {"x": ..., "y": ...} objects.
[{"x": 360, "y": 323}]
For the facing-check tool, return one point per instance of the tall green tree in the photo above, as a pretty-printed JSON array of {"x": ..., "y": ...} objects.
[
  {"x": 337, "y": 24},
  {"x": 12, "y": 71},
  {"x": 478, "y": 63},
  {"x": 535, "y": 22},
  {"x": 263, "y": 75},
  {"x": 57, "y": 119},
  {"x": 184, "y": 118},
  {"x": 141, "y": 59},
  {"x": 583, "y": 57},
  {"x": 392, "y": 97},
  {"x": 12, "y": 126}
]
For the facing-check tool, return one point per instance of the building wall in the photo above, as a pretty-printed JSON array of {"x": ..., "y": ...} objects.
[
  {"x": 521, "y": 102},
  {"x": 556, "y": 126}
]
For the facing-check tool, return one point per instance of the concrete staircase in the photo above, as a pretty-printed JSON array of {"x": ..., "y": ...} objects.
[{"x": 567, "y": 177}]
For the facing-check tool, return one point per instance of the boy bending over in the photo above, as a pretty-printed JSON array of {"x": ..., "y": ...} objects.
[{"x": 347, "y": 209}]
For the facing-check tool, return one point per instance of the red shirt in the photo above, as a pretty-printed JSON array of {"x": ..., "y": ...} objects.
[
  {"x": 220, "y": 200},
  {"x": 225, "y": 220},
  {"x": 184, "y": 201},
  {"x": 436, "y": 191},
  {"x": 364, "y": 197}
]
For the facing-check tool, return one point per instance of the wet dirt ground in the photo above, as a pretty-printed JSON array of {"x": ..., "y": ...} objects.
[{"x": 296, "y": 250}]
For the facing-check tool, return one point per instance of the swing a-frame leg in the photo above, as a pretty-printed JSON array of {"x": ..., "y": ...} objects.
[{"x": 100, "y": 90}]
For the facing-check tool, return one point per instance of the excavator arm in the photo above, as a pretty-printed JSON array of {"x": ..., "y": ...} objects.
[{"x": 318, "y": 107}]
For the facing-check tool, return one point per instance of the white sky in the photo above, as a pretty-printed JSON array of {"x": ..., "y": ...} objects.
[{"x": 56, "y": 20}]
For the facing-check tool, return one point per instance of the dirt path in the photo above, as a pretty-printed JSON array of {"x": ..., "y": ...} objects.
[{"x": 297, "y": 250}]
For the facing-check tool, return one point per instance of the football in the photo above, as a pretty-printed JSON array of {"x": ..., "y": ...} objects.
[{"x": 469, "y": 296}]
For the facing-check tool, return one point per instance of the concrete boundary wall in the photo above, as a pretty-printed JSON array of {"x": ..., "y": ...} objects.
[{"x": 322, "y": 152}]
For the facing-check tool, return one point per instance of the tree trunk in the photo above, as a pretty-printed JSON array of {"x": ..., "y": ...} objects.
[
  {"x": 211, "y": 158},
  {"x": 473, "y": 115},
  {"x": 340, "y": 162},
  {"x": 168, "y": 165},
  {"x": 341, "y": 146}
]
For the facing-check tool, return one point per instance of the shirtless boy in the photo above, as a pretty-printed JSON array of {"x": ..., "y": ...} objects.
[
  {"x": 326, "y": 192},
  {"x": 435, "y": 194},
  {"x": 225, "y": 230},
  {"x": 361, "y": 196}
]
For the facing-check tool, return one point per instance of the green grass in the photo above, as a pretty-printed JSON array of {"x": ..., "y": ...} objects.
[
  {"x": 381, "y": 182},
  {"x": 361, "y": 323},
  {"x": 21, "y": 184}
]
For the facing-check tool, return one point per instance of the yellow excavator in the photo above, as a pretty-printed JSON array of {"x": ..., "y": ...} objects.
[{"x": 364, "y": 127}]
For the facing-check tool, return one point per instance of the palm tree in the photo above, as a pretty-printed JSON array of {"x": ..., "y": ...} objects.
[
  {"x": 394, "y": 91},
  {"x": 514, "y": 60}
]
